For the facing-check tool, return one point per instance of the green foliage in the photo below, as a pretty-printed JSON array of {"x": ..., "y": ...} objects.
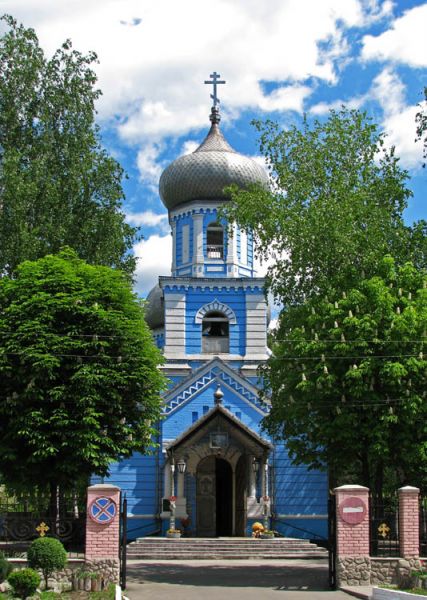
[
  {"x": 48, "y": 555},
  {"x": 79, "y": 370},
  {"x": 58, "y": 186},
  {"x": 348, "y": 379},
  {"x": 24, "y": 582},
  {"x": 334, "y": 208},
  {"x": 5, "y": 567},
  {"x": 107, "y": 594},
  {"x": 421, "y": 121}
]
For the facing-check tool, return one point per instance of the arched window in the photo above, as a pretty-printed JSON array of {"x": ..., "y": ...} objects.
[
  {"x": 215, "y": 333},
  {"x": 215, "y": 241}
]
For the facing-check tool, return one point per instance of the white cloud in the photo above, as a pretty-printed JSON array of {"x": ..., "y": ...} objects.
[
  {"x": 188, "y": 147},
  {"x": 405, "y": 42},
  {"x": 155, "y": 55},
  {"x": 399, "y": 118},
  {"x": 148, "y": 218},
  {"x": 376, "y": 10},
  {"x": 323, "y": 108},
  {"x": 285, "y": 98},
  {"x": 155, "y": 258},
  {"x": 389, "y": 91},
  {"x": 273, "y": 324},
  {"x": 148, "y": 165}
]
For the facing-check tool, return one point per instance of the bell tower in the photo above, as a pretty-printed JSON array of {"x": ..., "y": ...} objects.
[{"x": 213, "y": 303}]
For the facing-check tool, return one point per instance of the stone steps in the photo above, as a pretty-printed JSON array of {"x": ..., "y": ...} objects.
[{"x": 222, "y": 548}]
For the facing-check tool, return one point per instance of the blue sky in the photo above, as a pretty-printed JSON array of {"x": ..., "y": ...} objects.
[{"x": 280, "y": 58}]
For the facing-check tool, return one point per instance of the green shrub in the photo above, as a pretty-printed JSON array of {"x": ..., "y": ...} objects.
[
  {"x": 5, "y": 567},
  {"x": 24, "y": 582},
  {"x": 48, "y": 555}
]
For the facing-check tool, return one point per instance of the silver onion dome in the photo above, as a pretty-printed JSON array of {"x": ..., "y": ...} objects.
[
  {"x": 205, "y": 173},
  {"x": 154, "y": 308}
]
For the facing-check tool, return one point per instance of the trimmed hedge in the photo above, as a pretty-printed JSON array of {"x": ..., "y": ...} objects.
[
  {"x": 24, "y": 582},
  {"x": 48, "y": 555}
]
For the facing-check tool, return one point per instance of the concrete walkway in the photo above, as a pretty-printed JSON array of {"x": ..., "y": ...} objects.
[{"x": 230, "y": 579}]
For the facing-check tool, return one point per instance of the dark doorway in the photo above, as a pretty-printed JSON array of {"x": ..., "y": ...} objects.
[
  {"x": 224, "y": 495},
  {"x": 214, "y": 498}
]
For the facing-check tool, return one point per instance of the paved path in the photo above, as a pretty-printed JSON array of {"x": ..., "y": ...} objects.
[{"x": 230, "y": 580}]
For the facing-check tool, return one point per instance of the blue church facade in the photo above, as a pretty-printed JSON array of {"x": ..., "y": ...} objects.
[{"x": 210, "y": 319}]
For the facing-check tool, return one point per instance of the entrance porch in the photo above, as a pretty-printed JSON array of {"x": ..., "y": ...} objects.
[{"x": 216, "y": 477}]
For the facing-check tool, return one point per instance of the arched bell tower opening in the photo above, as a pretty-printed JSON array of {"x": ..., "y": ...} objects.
[
  {"x": 215, "y": 240},
  {"x": 215, "y": 333}
]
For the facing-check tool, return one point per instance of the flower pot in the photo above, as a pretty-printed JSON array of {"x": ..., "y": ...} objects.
[
  {"x": 267, "y": 536},
  {"x": 173, "y": 535}
]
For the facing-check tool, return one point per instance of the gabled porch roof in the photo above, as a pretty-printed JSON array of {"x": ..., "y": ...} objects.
[{"x": 205, "y": 420}]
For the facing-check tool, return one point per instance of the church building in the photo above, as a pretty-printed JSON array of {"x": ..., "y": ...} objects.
[{"x": 214, "y": 471}]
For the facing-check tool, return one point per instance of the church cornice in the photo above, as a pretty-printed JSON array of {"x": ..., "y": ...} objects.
[
  {"x": 182, "y": 284},
  {"x": 201, "y": 206}
]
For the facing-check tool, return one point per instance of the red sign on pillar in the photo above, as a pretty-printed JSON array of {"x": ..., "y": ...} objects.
[{"x": 353, "y": 510}]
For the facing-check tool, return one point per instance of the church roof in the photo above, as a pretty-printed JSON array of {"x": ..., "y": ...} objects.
[
  {"x": 203, "y": 174},
  {"x": 213, "y": 370},
  {"x": 216, "y": 410}
]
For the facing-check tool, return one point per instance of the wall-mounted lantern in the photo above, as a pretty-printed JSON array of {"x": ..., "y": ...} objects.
[{"x": 182, "y": 465}]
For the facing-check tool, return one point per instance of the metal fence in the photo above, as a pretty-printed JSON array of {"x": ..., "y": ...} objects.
[
  {"x": 22, "y": 522},
  {"x": 384, "y": 530}
]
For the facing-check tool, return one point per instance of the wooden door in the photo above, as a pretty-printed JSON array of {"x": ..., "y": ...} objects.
[{"x": 206, "y": 498}]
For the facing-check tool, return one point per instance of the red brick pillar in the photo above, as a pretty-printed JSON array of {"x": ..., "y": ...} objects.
[
  {"x": 352, "y": 535},
  {"x": 409, "y": 522},
  {"x": 103, "y": 530}
]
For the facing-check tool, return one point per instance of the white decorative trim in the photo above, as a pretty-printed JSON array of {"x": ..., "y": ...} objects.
[
  {"x": 196, "y": 206},
  {"x": 218, "y": 306},
  {"x": 207, "y": 283}
]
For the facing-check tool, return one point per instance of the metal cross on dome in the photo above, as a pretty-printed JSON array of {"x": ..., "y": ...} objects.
[{"x": 215, "y": 77}]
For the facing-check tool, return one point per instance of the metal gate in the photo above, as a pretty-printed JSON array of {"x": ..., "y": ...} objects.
[
  {"x": 23, "y": 522},
  {"x": 332, "y": 541},
  {"x": 123, "y": 539},
  {"x": 384, "y": 527}
]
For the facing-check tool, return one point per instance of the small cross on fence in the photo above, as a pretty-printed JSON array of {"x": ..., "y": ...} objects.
[
  {"x": 42, "y": 529},
  {"x": 384, "y": 530},
  {"x": 215, "y": 77}
]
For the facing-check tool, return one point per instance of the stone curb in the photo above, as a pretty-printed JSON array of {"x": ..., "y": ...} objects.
[{"x": 364, "y": 592}]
